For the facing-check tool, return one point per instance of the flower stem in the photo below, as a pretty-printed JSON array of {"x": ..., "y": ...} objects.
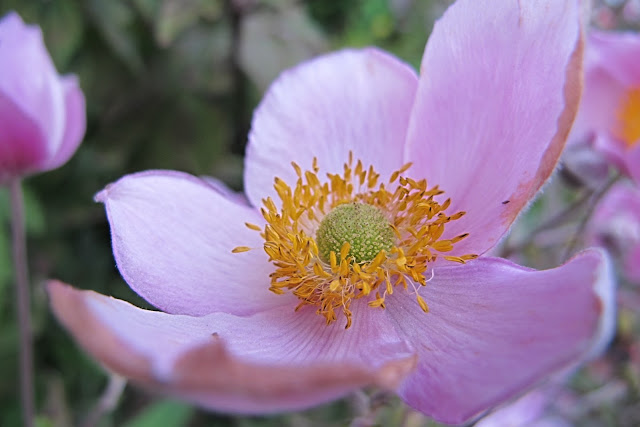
[
  {"x": 19, "y": 244},
  {"x": 108, "y": 401},
  {"x": 591, "y": 207}
]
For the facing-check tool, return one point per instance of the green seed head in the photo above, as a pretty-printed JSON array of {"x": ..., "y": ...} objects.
[{"x": 362, "y": 225}]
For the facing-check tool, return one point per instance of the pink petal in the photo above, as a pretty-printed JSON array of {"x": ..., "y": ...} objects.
[
  {"x": 495, "y": 328},
  {"x": 76, "y": 121},
  {"x": 29, "y": 78},
  {"x": 352, "y": 100},
  {"x": 600, "y": 100},
  {"x": 632, "y": 263},
  {"x": 523, "y": 412},
  {"x": 615, "y": 225},
  {"x": 22, "y": 144},
  {"x": 632, "y": 162},
  {"x": 226, "y": 192},
  {"x": 172, "y": 237},
  {"x": 610, "y": 71},
  {"x": 498, "y": 92},
  {"x": 272, "y": 361},
  {"x": 618, "y": 53}
]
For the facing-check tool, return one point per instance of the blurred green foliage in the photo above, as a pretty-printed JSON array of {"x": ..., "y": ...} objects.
[{"x": 169, "y": 84}]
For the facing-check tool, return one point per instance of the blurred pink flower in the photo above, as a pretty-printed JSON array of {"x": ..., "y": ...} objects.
[
  {"x": 615, "y": 225},
  {"x": 529, "y": 410},
  {"x": 486, "y": 121},
  {"x": 42, "y": 114},
  {"x": 609, "y": 115}
]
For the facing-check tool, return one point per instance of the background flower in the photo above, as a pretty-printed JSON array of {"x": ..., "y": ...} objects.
[
  {"x": 42, "y": 114},
  {"x": 615, "y": 225},
  {"x": 609, "y": 115}
]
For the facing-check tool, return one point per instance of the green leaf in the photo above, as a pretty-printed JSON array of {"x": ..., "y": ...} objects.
[{"x": 115, "y": 21}]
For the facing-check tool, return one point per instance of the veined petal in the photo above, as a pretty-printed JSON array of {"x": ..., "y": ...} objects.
[
  {"x": 498, "y": 92},
  {"x": 172, "y": 237},
  {"x": 352, "y": 100},
  {"x": 226, "y": 192},
  {"x": 272, "y": 361},
  {"x": 495, "y": 328}
]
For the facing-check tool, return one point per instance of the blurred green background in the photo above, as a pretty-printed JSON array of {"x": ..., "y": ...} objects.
[
  {"x": 169, "y": 84},
  {"x": 172, "y": 84}
]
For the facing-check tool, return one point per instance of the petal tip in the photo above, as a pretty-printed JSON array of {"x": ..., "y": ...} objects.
[
  {"x": 102, "y": 195},
  {"x": 393, "y": 373},
  {"x": 605, "y": 290}
]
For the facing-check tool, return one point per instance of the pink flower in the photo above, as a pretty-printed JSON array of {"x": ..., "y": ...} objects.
[
  {"x": 615, "y": 225},
  {"x": 263, "y": 329},
  {"x": 529, "y": 410},
  {"x": 42, "y": 114},
  {"x": 609, "y": 115}
]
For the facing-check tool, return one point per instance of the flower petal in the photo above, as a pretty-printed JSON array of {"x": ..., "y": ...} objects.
[
  {"x": 498, "y": 92},
  {"x": 352, "y": 100},
  {"x": 618, "y": 53},
  {"x": 22, "y": 144},
  {"x": 615, "y": 225},
  {"x": 272, "y": 361},
  {"x": 172, "y": 237},
  {"x": 601, "y": 99},
  {"x": 495, "y": 328},
  {"x": 30, "y": 80},
  {"x": 75, "y": 119},
  {"x": 226, "y": 192}
]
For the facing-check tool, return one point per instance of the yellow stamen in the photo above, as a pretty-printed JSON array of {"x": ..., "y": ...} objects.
[
  {"x": 240, "y": 249},
  {"x": 331, "y": 284},
  {"x": 628, "y": 114},
  {"x": 252, "y": 226},
  {"x": 423, "y": 305}
]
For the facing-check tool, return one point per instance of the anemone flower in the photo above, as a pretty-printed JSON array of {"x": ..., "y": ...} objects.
[
  {"x": 615, "y": 225},
  {"x": 42, "y": 114},
  {"x": 609, "y": 114},
  {"x": 357, "y": 257}
]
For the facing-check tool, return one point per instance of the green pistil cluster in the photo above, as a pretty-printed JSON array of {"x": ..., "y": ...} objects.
[{"x": 362, "y": 225}]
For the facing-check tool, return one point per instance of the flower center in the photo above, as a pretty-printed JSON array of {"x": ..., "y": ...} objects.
[
  {"x": 628, "y": 114},
  {"x": 371, "y": 238},
  {"x": 363, "y": 226}
]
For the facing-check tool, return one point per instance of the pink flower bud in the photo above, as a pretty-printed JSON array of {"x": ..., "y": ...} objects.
[{"x": 42, "y": 114}]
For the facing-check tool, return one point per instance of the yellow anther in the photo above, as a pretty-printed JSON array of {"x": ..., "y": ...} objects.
[
  {"x": 443, "y": 246},
  {"x": 422, "y": 303},
  {"x": 252, "y": 226},
  {"x": 344, "y": 251},
  {"x": 333, "y": 283}
]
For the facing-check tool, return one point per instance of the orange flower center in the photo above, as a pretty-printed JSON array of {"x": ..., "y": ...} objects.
[
  {"x": 628, "y": 114},
  {"x": 381, "y": 236}
]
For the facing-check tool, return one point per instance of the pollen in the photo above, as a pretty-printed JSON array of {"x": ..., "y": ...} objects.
[
  {"x": 348, "y": 237},
  {"x": 628, "y": 115}
]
